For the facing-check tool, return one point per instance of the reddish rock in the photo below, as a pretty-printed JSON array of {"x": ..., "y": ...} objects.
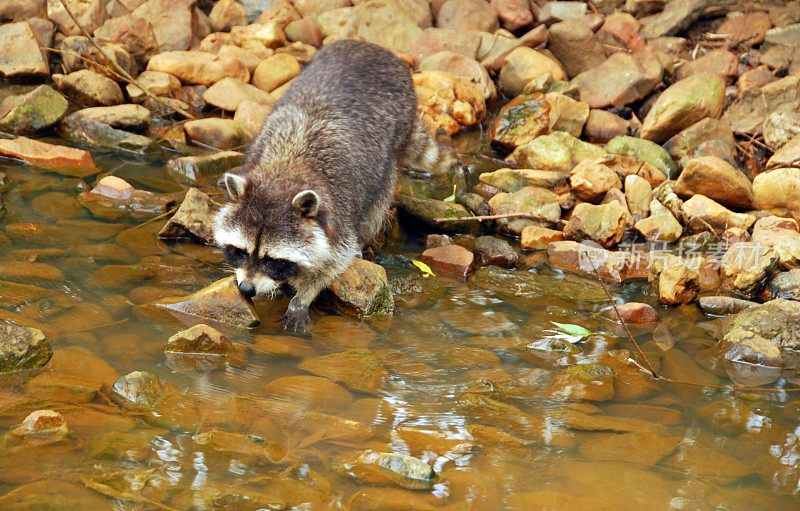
[
  {"x": 575, "y": 47},
  {"x": 453, "y": 259},
  {"x": 601, "y": 126},
  {"x": 471, "y": 15},
  {"x": 227, "y": 14},
  {"x": 513, "y": 14},
  {"x": 620, "y": 80},
  {"x": 20, "y": 53},
  {"x": 748, "y": 28},
  {"x": 717, "y": 179},
  {"x": 700, "y": 213},
  {"x": 494, "y": 48},
  {"x": 635, "y": 313},
  {"x": 304, "y": 30},
  {"x": 591, "y": 181},
  {"x": 603, "y": 224},
  {"x": 435, "y": 40},
  {"x": 719, "y": 62},
  {"x": 583, "y": 258},
  {"x": 621, "y": 30},
  {"x": 769, "y": 229},
  {"x": 65, "y": 160}
]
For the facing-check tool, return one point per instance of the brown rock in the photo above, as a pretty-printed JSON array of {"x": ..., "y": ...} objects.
[
  {"x": 748, "y": 28},
  {"x": 684, "y": 103},
  {"x": 575, "y": 47},
  {"x": 719, "y": 62},
  {"x": 585, "y": 258},
  {"x": 582, "y": 382},
  {"x": 521, "y": 120},
  {"x": 172, "y": 22},
  {"x": 677, "y": 279},
  {"x": 199, "y": 339},
  {"x": 132, "y": 33},
  {"x": 275, "y": 71},
  {"x": 194, "y": 218},
  {"x": 227, "y": 14},
  {"x": 708, "y": 137},
  {"x": 453, "y": 259},
  {"x": 603, "y": 224},
  {"x": 252, "y": 115},
  {"x": 462, "y": 67},
  {"x": 363, "y": 291},
  {"x": 601, "y": 126},
  {"x": 435, "y": 40},
  {"x": 539, "y": 238},
  {"x": 21, "y": 10},
  {"x": 636, "y": 313},
  {"x": 382, "y": 22},
  {"x": 447, "y": 102},
  {"x": 89, "y": 88},
  {"x": 767, "y": 230},
  {"x": 493, "y": 251},
  {"x": 756, "y": 77},
  {"x": 21, "y": 54},
  {"x": 495, "y": 48},
  {"x": 471, "y": 15},
  {"x": 621, "y": 30},
  {"x": 222, "y": 134},
  {"x": 513, "y": 14},
  {"x": 778, "y": 188},
  {"x": 638, "y": 194},
  {"x": 198, "y": 67},
  {"x": 530, "y": 200},
  {"x": 512, "y": 180},
  {"x": 61, "y": 159},
  {"x": 619, "y": 80},
  {"x": 304, "y": 30},
  {"x": 717, "y": 180},
  {"x": 524, "y": 67},
  {"x": 160, "y": 84},
  {"x": 700, "y": 212},
  {"x": 747, "y": 113},
  {"x": 90, "y": 14},
  {"x": 746, "y": 266},
  {"x": 566, "y": 114},
  {"x": 661, "y": 225},
  {"x": 787, "y": 155},
  {"x": 676, "y": 16},
  {"x": 229, "y": 93},
  {"x": 125, "y": 117},
  {"x": 591, "y": 182}
]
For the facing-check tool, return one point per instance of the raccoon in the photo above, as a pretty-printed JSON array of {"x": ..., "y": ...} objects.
[{"x": 319, "y": 178}]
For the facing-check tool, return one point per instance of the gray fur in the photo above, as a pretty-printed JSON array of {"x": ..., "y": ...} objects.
[{"x": 338, "y": 132}]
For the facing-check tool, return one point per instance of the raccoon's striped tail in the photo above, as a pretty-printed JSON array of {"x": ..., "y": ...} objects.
[{"x": 424, "y": 152}]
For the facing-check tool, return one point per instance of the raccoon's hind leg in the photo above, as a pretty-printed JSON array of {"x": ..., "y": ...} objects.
[{"x": 423, "y": 151}]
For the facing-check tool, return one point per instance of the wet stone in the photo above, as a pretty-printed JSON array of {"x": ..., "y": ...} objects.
[
  {"x": 538, "y": 202},
  {"x": 193, "y": 219},
  {"x": 492, "y": 251},
  {"x": 722, "y": 305},
  {"x": 785, "y": 285},
  {"x": 246, "y": 447},
  {"x": 538, "y": 238},
  {"x": 199, "y": 339},
  {"x": 22, "y": 348},
  {"x": 98, "y": 135},
  {"x": 453, "y": 259},
  {"x": 363, "y": 290},
  {"x": 383, "y": 468},
  {"x": 30, "y": 272},
  {"x": 123, "y": 117},
  {"x": 746, "y": 266},
  {"x": 198, "y": 168},
  {"x": 57, "y": 158},
  {"x": 583, "y": 382},
  {"x": 425, "y": 211},
  {"x": 40, "y": 427},
  {"x": 512, "y": 180},
  {"x": 220, "y": 302},
  {"x": 358, "y": 370},
  {"x": 312, "y": 391},
  {"x": 677, "y": 280},
  {"x": 646, "y": 449}
]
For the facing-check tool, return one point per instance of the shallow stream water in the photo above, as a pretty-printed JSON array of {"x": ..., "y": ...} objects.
[{"x": 472, "y": 385}]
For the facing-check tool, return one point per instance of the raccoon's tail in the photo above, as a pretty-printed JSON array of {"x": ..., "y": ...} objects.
[{"x": 424, "y": 152}]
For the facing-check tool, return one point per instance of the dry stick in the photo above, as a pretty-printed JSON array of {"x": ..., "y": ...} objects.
[
  {"x": 665, "y": 379},
  {"x": 124, "y": 74},
  {"x": 159, "y": 217},
  {"x": 528, "y": 216}
]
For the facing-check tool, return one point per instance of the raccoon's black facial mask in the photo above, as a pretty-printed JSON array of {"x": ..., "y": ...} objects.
[{"x": 278, "y": 270}]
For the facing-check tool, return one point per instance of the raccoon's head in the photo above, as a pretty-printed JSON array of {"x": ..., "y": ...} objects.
[{"x": 270, "y": 233}]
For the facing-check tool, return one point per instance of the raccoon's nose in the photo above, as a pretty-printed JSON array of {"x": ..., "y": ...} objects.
[{"x": 247, "y": 289}]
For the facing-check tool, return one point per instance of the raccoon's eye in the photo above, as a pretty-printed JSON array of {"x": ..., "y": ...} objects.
[
  {"x": 234, "y": 255},
  {"x": 280, "y": 269}
]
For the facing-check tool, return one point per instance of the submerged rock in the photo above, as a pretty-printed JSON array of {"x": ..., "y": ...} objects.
[
  {"x": 35, "y": 111},
  {"x": 426, "y": 211},
  {"x": 220, "y": 302},
  {"x": 194, "y": 218},
  {"x": 582, "y": 382},
  {"x": 493, "y": 251},
  {"x": 722, "y": 305},
  {"x": 251, "y": 448},
  {"x": 22, "y": 348},
  {"x": 384, "y": 468},
  {"x": 363, "y": 290},
  {"x": 38, "y": 428},
  {"x": 358, "y": 370},
  {"x": 512, "y": 180},
  {"x": 113, "y": 198}
]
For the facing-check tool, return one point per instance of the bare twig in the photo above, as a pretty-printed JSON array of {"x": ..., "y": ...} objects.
[
  {"x": 528, "y": 216},
  {"x": 118, "y": 69},
  {"x": 159, "y": 217}
]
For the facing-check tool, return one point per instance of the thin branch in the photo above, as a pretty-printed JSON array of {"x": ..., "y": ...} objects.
[
  {"x": 528, "y": 216},
  {"x": 123, "y": 74}
]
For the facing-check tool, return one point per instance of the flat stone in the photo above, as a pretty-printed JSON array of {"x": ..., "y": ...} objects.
[
  {"x": 521, "y": 120},
  {"x": 198, "y": 67},
  {"x": 57, "y": 158},
  {"x": 676, "y": 16},
  {"x": 753, "y": 105},
  {"x": 534, "y": 237},
  {"x": 424, "y": 211},
  {"x": 720, "y": 62},
  {"x": 722, "y": 305},
  {"x": 625, "y": 78},
  {"x": 35, "y": 111},
  {"x": 384, "y": 468},
  {"x": 603, "y": 224},
  {"x": 582, "y": 382},
  {"x": 602, "y": 126},
  {"x": 708, "y": 137},
  {"x": 558, "y": 151},
  {"x": 575, "y": 46},
  {"x": 199, "y": 168},
  {"x": 124, "y": 117},
  {"x": 224, "y": 134},
  {"x": 358, "y": 370},
  {"x": 98, "y": 135},
  {"x": 526, "y": 68},
  {"x": 474, "y": 15},
  {"x": 512, "y": 180},
  {"x": 700, "y": 212},
  {"x": 531, "y": 200},
  {"x": 89, "y": 88},
  {"x": 220, "y": 302},
  {"x": 381, "y": 22},
  {"x": 643, "y": 150},
  {"x": 493, "y": 251}
]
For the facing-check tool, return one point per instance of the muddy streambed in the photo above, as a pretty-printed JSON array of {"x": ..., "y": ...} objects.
[{"x": 471, "y": 378}]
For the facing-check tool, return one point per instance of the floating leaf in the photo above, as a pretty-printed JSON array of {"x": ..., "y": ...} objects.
[
  {"x": 572, "y": 329},
  {"x": 424, "y": 268}
]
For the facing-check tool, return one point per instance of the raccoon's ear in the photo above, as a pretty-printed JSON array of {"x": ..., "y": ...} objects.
[
  {"x": 236, "y": 185},
  {"x": 306, "y": 203}
]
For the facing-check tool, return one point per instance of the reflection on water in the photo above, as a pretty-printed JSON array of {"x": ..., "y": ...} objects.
[{"x": 470, "y": 377}]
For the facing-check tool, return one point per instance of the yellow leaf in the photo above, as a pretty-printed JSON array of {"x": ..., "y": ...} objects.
[{"x": 424, "y": 268}]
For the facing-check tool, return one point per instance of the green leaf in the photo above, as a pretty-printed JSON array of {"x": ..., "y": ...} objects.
[
  {"x": 424, "y": 268},
  {"x": 572, "y": 329},
  {"x": 451, "y": 198}
]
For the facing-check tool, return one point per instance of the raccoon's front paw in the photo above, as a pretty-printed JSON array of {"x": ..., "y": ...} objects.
[{"x": 296, "y": 319}]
